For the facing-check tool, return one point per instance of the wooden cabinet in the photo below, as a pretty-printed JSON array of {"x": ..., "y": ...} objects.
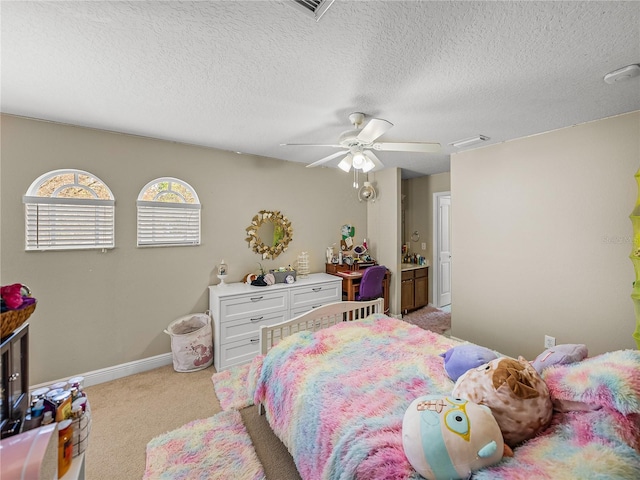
[
  {"x": 414, "y": 288},
  {"x": 239, "y": 310},
  {"x": 407, "y": 291},
  {"x": 421, "y": 287},
  {"x": 14, "y": 380}
]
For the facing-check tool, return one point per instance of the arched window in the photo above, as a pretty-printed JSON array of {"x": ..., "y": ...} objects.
[
  {"x": 69, "y": 210},
  {"x": 168, "y": 214}
]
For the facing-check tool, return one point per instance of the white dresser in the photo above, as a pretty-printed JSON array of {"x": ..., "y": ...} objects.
[{"x": 239, "y": 310}]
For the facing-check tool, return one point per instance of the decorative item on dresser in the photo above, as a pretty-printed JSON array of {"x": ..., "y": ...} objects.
[
  {"x": 303, "y": 264},
  {"x": 239, "y": 310},
  {"x": 223, "y": 270}
]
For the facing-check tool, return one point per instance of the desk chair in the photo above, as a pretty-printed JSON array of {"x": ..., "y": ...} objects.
[{"x": 371, "y": 283}]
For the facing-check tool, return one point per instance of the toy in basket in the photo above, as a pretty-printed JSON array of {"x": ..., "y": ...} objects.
[{"x": 17, "y": 305}]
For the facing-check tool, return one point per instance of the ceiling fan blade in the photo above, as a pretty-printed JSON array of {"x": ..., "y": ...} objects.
[
  {"x": 311, "y": 145},
  {"x": 374, "y": 129},
  {"x": 408, "y": 147},
  {"x": 376, "y": 161},
  {"x": 327, "y": 158}
]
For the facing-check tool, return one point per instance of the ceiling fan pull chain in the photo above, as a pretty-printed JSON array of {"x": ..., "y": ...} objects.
[{"x": 355, "y": 178}]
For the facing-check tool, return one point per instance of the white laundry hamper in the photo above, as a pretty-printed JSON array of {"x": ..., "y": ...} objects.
[{"x": 191, "y": 342}]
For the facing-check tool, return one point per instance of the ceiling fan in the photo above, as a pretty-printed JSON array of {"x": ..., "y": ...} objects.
[{"x": 357, "y": 145}]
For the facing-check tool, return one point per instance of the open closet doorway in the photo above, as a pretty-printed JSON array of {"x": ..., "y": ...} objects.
[{"x": 442, "y": 249}]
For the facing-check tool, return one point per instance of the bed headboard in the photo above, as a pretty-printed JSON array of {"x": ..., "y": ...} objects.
[{"x": 317, "y": 319}]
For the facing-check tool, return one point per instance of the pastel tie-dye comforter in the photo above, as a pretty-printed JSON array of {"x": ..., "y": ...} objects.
[
  {"x": 595, "y": 430},
  {"x": 336, "y": 398}
]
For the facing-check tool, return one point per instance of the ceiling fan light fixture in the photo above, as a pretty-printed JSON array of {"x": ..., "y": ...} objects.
[
  {"x": 359, "y": 160},
  {"x": 345, "y": 163},
  {"x": 368, "y": 165}
]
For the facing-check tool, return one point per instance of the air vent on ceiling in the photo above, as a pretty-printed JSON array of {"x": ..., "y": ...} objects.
[
  {"x": 470, "y": 141},
  {"x": 315, "y": 8}
]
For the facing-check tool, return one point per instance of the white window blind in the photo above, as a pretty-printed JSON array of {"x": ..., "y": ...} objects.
[
  {"x": 168, "y": 214},
  {"x": 163, "y": 224},
  {"x": 67, "y": 210}
]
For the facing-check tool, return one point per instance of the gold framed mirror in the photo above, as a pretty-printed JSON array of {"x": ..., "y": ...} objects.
[{"x": 269, "y": 233}]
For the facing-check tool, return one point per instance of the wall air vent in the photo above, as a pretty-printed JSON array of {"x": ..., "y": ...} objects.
[{"x": 315, "y": 8}]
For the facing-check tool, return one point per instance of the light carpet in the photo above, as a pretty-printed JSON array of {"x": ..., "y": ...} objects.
[
  {"x": 430, "y": 318},
  {"x": 216, "y": 448},
  {"x": 231, "y": 387}
]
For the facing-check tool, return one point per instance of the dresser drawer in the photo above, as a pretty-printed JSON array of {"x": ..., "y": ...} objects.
[
  {"x": 253, "y": 305},
  {"x": 239, "y": 310},
  {"x": 315, "y": 295},
  {"x": 237, "y": 353},
  {"x": 248, "y": 327}
]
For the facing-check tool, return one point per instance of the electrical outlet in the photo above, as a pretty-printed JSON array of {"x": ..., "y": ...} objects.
[
  {"x": 549, "y": 341},
  {"x": 424, "y": 245}
]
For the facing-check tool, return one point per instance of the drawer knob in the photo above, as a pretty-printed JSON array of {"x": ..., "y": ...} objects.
[
  {"x": 254, "y": 340},
  {"x": 257, "y": 319}
]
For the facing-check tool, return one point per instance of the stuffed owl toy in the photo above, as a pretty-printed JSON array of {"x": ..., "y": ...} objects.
[
  {"x": 448, "y": 438},
  {"x": 514, "y": 391}
]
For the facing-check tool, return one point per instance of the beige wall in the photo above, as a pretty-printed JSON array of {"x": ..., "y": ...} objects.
[
  {"x": 541, "y": 238},
  {"x": 419, "y": 208},
  {"x": 97, "y": 310},
  {"x": 384, "y": 228},
  {"x": 418, "y": 215}
]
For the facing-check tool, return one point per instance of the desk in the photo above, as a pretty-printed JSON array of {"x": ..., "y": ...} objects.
[{"x": 351, "y": 284}]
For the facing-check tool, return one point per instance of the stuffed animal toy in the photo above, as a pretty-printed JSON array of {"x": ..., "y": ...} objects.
[
  {"x": 560, "y": 355},
  {"x": 459, "y": 359},
  {"x": 449, "y": 438},
  {"x": 514, "y": 391},
  {"x": 12, "y": 295}
]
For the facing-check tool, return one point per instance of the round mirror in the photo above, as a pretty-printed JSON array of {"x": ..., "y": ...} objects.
[{"x": 269, "y": 233}]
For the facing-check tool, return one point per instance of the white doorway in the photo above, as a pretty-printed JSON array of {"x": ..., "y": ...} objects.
[{"x": 442, "y": 249}]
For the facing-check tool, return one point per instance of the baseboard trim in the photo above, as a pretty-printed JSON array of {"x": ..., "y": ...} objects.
[{"x": 96, "y": 377}]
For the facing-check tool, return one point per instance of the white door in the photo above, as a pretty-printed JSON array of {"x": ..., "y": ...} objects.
[{"x": 442, "y": 253}]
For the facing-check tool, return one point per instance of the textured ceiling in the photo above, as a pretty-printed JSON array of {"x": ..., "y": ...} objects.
[{"x": 249, "y": 75}]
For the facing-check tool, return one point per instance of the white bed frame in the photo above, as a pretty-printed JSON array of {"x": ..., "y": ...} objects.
[{"x": 317, "y": 319}]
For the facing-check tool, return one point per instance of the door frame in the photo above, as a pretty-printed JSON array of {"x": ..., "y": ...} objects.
[{"x": 436, "y": 247}]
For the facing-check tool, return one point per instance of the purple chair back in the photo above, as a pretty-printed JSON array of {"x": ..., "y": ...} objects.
[{"x": 371, "y": 283}]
